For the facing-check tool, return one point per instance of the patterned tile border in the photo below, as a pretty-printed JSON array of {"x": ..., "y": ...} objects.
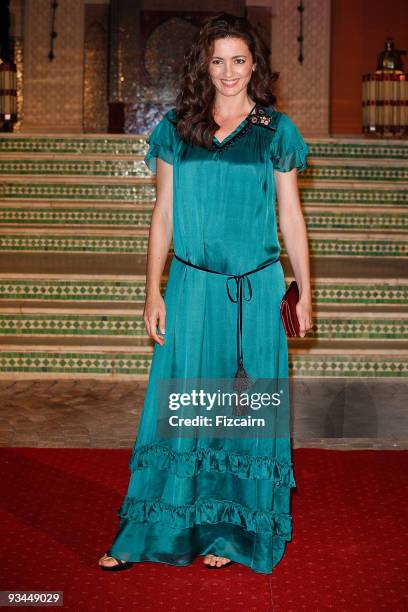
[
  {"x": 351, "y": 326},
  {"x": 338, "y": 247},
  {"x": 354, "y": 197},
  {"x": 356, "y": 221},
  {"x": 122, "y": 168},
  {"x": 146, "y": 192},
  {"x": 357, "y": 173},
  {"x": 73, "y": 325},
  {"x": 360, "y": 293},
  {"x": 347, "y": 247},
  {"x": 74, "y": 244},
  {"x": 321, "y": 220},
  {"x": 100, "y": 290},
  {"x": 94, "y": 290},
  {"x": 108, "y": 145},
  {"x": 75, "y": 363},
  {"x": 102, "y": 363},
  {"x": 359, "y": 328},
  {"x": 344, "y": 365},
  {"x": 136, "y": 145},
  {"x": 122, "y": 192},
  {"x": 367, "y": 150},
  {"x": 75, "y": 216}
]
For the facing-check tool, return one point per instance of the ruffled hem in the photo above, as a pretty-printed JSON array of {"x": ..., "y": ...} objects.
[
  {"x": 158, "y": 150},
  {"x": 209, "y": 511},
  {"x": 189, "y": 463},
  {"x": 294, "y": 159}
]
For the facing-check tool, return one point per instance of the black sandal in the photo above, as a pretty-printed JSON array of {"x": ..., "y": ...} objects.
[{"x": 121, "y": 565}]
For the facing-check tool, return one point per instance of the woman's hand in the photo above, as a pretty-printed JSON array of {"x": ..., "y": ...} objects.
[
  {"x": 155, "y": 314},
  {"x": 304, "y": 314}
]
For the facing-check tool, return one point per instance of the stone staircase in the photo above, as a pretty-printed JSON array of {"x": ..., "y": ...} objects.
[{"x": 75, "y": 213}]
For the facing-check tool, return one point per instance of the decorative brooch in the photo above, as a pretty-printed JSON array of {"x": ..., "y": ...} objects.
[{"x": 260, "y": 116}]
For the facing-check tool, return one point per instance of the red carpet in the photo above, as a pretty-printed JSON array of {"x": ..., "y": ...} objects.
[{"x": 348, "y": 551}]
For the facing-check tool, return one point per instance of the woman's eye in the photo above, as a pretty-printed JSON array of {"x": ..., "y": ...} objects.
[{"x": 240, "y": 60}]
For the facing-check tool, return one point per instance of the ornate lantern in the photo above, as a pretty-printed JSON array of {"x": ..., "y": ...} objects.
[
  {"x": 385, "y": 95},
  {"x": 8, "y": 92}
]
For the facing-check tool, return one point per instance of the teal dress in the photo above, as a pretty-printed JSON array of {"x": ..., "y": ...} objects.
[{"x": 227, "y": 496}]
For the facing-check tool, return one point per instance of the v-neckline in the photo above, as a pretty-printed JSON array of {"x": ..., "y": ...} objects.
[{"x": 235, "y": 130}]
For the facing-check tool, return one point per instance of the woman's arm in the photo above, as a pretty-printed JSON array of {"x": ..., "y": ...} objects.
[
  {"x": 294, "y": 234},
  {"x": 160, "y": 236}
]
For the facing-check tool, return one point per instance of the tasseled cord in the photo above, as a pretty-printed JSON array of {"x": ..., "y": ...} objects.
[
  {"x": 240, "y": 383},
  {"x": 241, "y": 380}
]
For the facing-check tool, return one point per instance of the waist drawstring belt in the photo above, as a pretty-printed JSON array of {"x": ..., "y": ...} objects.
[{"x": 239, "y": 279}]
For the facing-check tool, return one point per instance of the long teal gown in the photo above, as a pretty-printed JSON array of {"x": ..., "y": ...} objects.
[{"x": 230, "y": 497}]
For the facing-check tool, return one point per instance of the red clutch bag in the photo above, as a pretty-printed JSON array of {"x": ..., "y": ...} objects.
[{"x": 288, "y": 310}]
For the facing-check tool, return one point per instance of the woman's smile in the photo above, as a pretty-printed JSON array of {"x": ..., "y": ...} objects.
[{"x": 229, "y": 82}]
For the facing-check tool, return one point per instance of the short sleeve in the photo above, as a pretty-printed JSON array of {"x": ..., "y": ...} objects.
[
  {"x": 161, "y": 142},
  {"x": 288, "y": 149}
]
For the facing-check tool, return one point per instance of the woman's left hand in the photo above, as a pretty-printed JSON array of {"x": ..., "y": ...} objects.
[{"x": 304, "y": 314}]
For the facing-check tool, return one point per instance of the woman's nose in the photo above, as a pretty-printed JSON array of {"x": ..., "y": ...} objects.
[{"x": 228, "y": 70}]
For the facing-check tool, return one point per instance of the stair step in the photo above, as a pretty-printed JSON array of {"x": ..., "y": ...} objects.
[
  {"x": 73, "y": 167},
  {"x": 362, "y": 173},
  {"x": 138, "y": 190},
  {"x": 115, "y": 144},
  {"x": 376, "y": 220},
  {"x": 338, "y": 195},
  {"x": 113, "y": 163},
  {"x": 118, "y": 169},
  {"x": 327, "y": 362},
  {"x": 136, "y": 241},
  {"x": 32, "y": 215},
  {"x": 95, "y": 144},
  {"x": 128, "y": 264},
  {"x": 58, "y": 290},
  {"x": 106, "y": 292},
  {"x": 63, "y": 239},
  {"x": 357, "y": 149},
  {"x": 76, "y": 324},
  {"x": 74, "y": 263},
  {"x": 128, "y": 363},
  {"x": 73, "y": 190},
  {"x": 65, "y": 342},
  {"x": 117, "y": 323},
  {"x": 357, "y": 267}
]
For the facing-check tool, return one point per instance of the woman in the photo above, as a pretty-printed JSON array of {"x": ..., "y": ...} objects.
[{"x": 221, "y": 155}]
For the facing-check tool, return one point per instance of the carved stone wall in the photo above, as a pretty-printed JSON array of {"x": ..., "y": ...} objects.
[
  {"x": 17, "y": 37},
  {"x": 303, "y": 89},
  {"x": 53, "y": 91},
  {"x": 96, "y": 43}
]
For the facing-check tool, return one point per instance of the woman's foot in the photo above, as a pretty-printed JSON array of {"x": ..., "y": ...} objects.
[
  {"x": 112, "y": 563},
  {"x": 107, "y": 561},
  {"x": 215, "y": 561}
]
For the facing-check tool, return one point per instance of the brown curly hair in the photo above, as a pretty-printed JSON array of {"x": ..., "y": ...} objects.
[{"x": 194, "y": 103}]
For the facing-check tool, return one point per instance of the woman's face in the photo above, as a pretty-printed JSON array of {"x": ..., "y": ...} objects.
[{"x": 230, "y": 65}]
